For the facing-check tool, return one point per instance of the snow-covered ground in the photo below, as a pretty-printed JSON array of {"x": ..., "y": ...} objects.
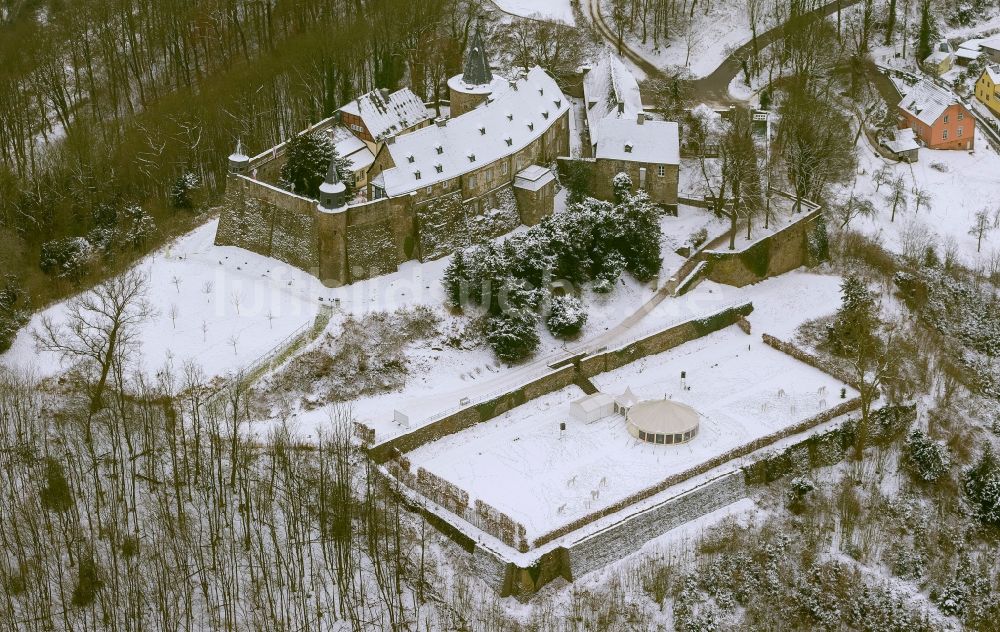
[
  {"x": 551, "y": 10},
  {"x": 523, "y": 465},
  {"x": 960, "y": 185},
  {"x": 230, "y": 307},
  {"x": 715, "y": 34}
]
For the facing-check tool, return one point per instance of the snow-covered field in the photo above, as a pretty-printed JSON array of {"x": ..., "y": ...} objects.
[
  {"x": 551, "y": 10},
  {"x": 229, "y": 307},
  {"x": 960, "y": 185},
  {"x": 522, "y": 464}
]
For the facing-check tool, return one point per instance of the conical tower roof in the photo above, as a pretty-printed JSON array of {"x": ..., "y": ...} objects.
[{"x": 477, "y": 64}]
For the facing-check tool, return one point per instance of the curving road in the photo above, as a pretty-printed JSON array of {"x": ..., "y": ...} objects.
[{"x": 713, "y": 88}]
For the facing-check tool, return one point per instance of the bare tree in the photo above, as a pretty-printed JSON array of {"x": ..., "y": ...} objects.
[
  {"x": 980, "y": 226},
  {"x": 853, "y": 208},
  {"x": 101, "y": 329},
  {"x": 897, "y": 195}
]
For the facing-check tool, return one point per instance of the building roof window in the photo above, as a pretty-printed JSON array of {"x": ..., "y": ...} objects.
[
  {"x": 531, "y": 126},
  {"x": 482, "y": 131},
  {"x": 440, "y": 149},
  {"x": 416, "y": 174},
  {"x": 410, "y": 159},
  {"x": 628, "y": 148},
  {"x": 509, "y": 141},
  {"x": 545, "y": 114},
  {"x": 439, "y": 167},
  {"x": 472, "y": 157}
]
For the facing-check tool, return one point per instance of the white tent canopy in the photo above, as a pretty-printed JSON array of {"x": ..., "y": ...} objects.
[{"x": 592, "y": 407}]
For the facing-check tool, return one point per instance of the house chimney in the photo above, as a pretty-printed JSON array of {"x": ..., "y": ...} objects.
[
  {"x": 441, "y": 121},
  {"x": 621, "y": 107},
  {"x": 385, "y": 93},
  {"x": 641, "y": 118},
  {"x": 390, "y": 140}
]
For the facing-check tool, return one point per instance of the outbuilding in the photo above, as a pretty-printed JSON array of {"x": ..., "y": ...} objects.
[{"x": 592, "y": 407}]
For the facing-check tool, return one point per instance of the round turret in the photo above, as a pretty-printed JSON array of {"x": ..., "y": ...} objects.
[
  {"x": 333, "y": 191},
  {"x": 239, "y": 162}
]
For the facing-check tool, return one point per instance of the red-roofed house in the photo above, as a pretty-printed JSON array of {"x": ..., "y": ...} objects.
[{"x": 937, "y": 117}]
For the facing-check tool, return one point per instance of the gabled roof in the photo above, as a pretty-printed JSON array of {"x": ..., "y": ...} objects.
[
  {"x": 992, "y": 42},
  {"x": 625, "y": 139},
  {"x": 610, "y": 90},
  {"x": 926, "y": 101},
  {"x": 385, "y": 114},
  {"x": 596, "y": 401},
  {"x": 351, "y": 147},
  {"x": 496, "y": 129}
]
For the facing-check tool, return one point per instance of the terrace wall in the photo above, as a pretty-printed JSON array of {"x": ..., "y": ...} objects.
[{"x": 793, "y": 246}]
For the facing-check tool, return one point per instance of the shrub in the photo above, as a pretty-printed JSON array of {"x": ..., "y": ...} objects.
[
  {"x": 66, "y": 258},
  {"x": 308, "y": 160},
  {"x": 566, "y": 317},
  {"x": 698, "y": 237},
  {"x": 925, "y": 458}
]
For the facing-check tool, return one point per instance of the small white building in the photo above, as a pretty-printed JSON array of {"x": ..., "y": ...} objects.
[
  {"x": 592, "y": 407},
  {"x": 625, "y": 401}
]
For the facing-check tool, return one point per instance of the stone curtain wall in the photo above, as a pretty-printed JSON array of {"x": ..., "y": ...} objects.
[
  {"x": 447, "y": 223},
  {"x": 776, "y": 254},
  {"x": 270, "y": 222},
  {"x": 808, "y": 358},
  {"x": 371, "y": 250}
]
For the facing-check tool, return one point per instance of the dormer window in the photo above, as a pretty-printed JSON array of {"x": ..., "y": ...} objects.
[
  {"x": 628, "y": 148},
  {"x": 482, "y": 131},
  {"x": 472, "y": 157},
  {"x": 531, "y": 126},
  {"x": 439, "y": 167},
  {"x": 509, "y": 141},
  {"x": 416, "y": 174},
  {"x": 541, "y": 91},
  {"x": 410, "y": 159},
  {"x": 510, "y": 117},
  {"x": 545, "y": 115},
  {"x": 439, "y": 149},
  {"x": 558, "y": 103}
]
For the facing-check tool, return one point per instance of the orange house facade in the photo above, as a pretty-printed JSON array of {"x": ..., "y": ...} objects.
[{"x": 937, "y": 117}]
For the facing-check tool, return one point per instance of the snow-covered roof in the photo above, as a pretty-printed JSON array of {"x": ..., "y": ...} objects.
[
  {"x": 387, "y": 113},
  {"x": 927, "y": 101},
  {"x": 533, "y": 177},
  {"x": 904, "y": 140},
  {"x": 937, "y": 57},
  {"x": 972, "y": 44},
  {"x": 590, "y": 403},
  {"x": 992, "y": 42},
  {"x": 496, "y": 129},
  {"x": 351, "y": 147},
  {"x": 967, "y": 53},
  {"x": 626, "y": 139},
  {"x": 993, "y": 72},
  {"x": 610, "y": 90},
  {"x": 628, "y": 398},
  {"x": 495, "y": 87}
]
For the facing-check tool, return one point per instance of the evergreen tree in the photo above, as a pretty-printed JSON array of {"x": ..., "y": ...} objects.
[
  {"x": 182, "y": 189},
  {"x": 925, "y": 458},
  {"x": 981, "y": 483},
  {"x": 925, "y": 33},
  {"x": 455, "y": 278},
  {"x": 512, "y": 335},
  {"x": 308, "y": 158},
  {"x": 12, "y": 316}
]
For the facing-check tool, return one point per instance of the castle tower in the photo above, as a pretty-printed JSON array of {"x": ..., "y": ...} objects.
[
  {"x": 331, "y": 222},
  {"x": 476, "y": 82},
  {"x": 239, "y": 162}
]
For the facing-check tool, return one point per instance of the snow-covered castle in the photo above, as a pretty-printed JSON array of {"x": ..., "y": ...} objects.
[{"x": 426, "y": 186}]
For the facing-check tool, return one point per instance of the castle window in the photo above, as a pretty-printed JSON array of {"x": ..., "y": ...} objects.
[
  {"x": 944, "y": 135},
  {"x": 429, "y": 190},
  {"x": 661, "y": 170},
  {"x": 472, "y": 182},
  {"x": 961, "y": 116},
  {"x": 503, "y": 168},
  {"x": 945, "y": 118},
  {"x": 960, "y": 131}
]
